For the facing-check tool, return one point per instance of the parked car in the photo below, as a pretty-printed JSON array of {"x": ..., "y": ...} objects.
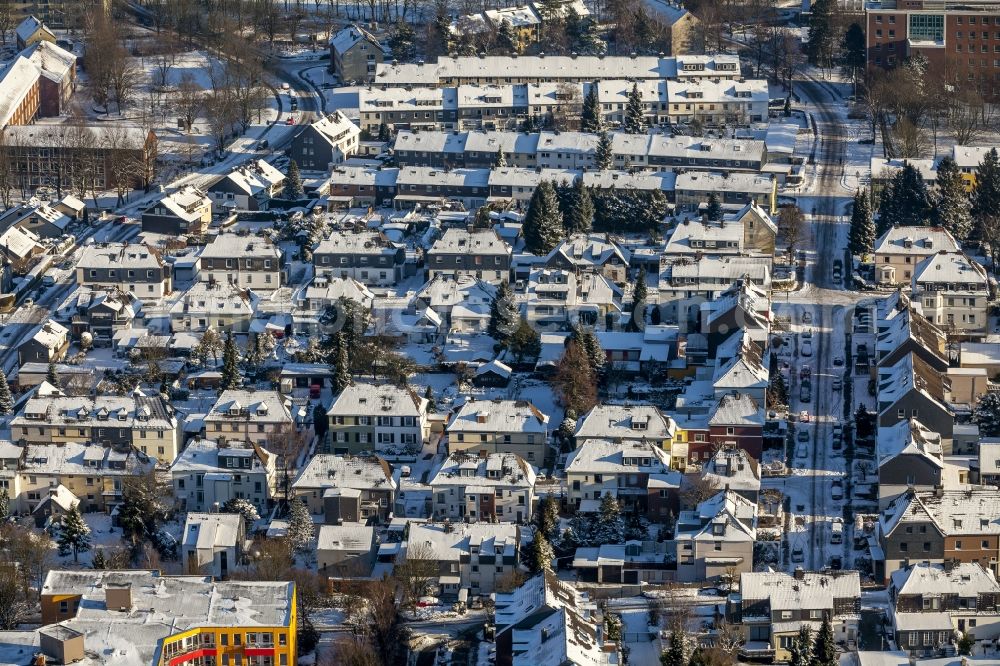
[
  {"x": 802, "y": 435},
  {"x": 838, "y": 361},
  {"x": 801, "y": 451},
  {"x": 805, "y": 372},
  {"x": 805, "y": 394},
  {"x": 806, "y": 349},
  {"x": 838, "y": 384},
  {"x": 807, "y": 317},
  {"x": 798, "y": 555},
  {"x": 804, "y": 416}
]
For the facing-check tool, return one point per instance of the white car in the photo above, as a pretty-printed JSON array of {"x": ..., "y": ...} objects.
[{"x": 806, "y": 349}]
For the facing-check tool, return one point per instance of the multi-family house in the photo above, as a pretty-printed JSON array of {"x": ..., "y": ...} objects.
[
  {"x": 557, "y": 298},
  {"x": 591, "y": 253},
  {"x": 212, "y": 543},
  {"x": 482, "y": 427},
  {"x": 481, "y": 254},
  {"x": 771, "y": 606},
  {"x": 912, "y": 389},
  {"x": 462, "y": 302},
  {"x": 736, "y": 421},
  {"x": 419, "y": 186},
  {"x": 248, "y": 416},
  {"x": 346, "y": 489},
  {"x": 685, "y": 283},
  {"x": 734, "y": 188},
  {"x": 547, "y": 622},
  {"x": 902, "y": 331},
  {"x": 715, "y": 539},
  {"x": 219, "y": 305},
  {"x": 900, "y": 249},
  {"x": 48, "y": 343},
  {"x": 473, "y": 557},
  {"x": 253, "y": 262},
  {"x": 910, "y": 456},
  {"x": 250, "y": 186},
  {"x": 631, "y": 423},
  {"x": 953, "y": 292},
  {"x": 407, "y": 108},
  {"x": 368, "y": 257},
  {"x": 206, "y": 475},
  {"x": 470, "y": 488},
  {"x": 931, "y": 605},
  {"x": 326, "y": 142},
  {"x": 376, "y": 417},
  {"x": 146, "y": 423},
  {"x": 717, "y": 102},
  {"x": 733, "y": 469},
  {"x": 38, "y": 218},
  {"x": 347, "y": 550},
  {"x": 637, "y": 473},
  {"x": 186, "y": 211},
  {"x": 629, "y": 563},
  {"x": 355, "y": 54},
  {"x": 134, "y": 267},
  {"x": 740, "y": 368},
  {"x": 989, "y": 461},
  {"x": 92, "y": 474},
  {"x": 57, "y": 77},
  {"x": 103, "y": 313},
  {"x": 743, "y": 308},
  {"x": 143, "y": 617},
  {"x": 938, "y": 526}
]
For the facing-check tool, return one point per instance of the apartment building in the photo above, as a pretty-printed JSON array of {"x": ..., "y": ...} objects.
[
  {"x": 685, "y": 284},
  {"x": 206, "y": 475},
  {"x": 899, "y": 250},
  {"x": 145, "y": 423},
  {"x": 248, "y": 416},
  {"x": 368, "y": 257},
  {"x": 186, "y": 211},
  {"x": 953, "y": 291},
  {"x": 479, "y": 254},
  {"x": 912, "y": 389},
  {"x": 346, "y": 489},
  {"x": 49, "y": 155},
  {"x": 470, "y": 488},
  {"x": 326, "y": 142},
  {"x": 910, "y": 456},
  {"x": 167, "y": 619},
  {"x": 772, "y": 605},
  {"x": 633, "y": 424},
  {"x": 19, "y": 92},
  {"x": 376, "y": 417},
  {"x": 482, "y": 427},
  {"x": 253, "y": 262},
  {"x": 131, "y": 267}
]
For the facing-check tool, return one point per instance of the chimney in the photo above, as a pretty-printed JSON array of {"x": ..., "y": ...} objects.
[{"x": 799, "y": 574}]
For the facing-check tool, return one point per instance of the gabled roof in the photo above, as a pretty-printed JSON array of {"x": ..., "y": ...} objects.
[
  {"x": 29, "y": 26},
  {"x": 739, "y": 409},
  {"x": 916, "y": 240},
  {"x": 498, "y": 416},
  {"x": 335, "y": 127},
  {"x": 589, "y": 250},
  {"x": 208, "y": 531},
  {"x": 909, "y": 373},
  {"x": 54, "y": 62},
  {"x": 907, "y": 324},
  {"x": 953, "y": 269},
  {"x": 16, "y": 81},
  {"x": 909, "y": 438},
  {"x": 744, "y": 370},
  {"x": 966, "y": 579},
  {"x": 734, "y": 513},
  {"x": 18, "y": 242},
  {"x": 346, "y": 39},
  {"x": 625, "y": 422}
]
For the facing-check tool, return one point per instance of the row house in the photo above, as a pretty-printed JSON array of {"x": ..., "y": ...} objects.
[
  {"x": 473, "y": 557},
  {"x": 482, "y": 427},
  {"x": 346, "y": 489},
  {"x": 484, "y": 70},
  {"x": 736, "y": 421},
  {"x": 734, "y": 189},
  {"x": 131, "y": 267},
  {"x": 912, "y": 389},
  {"x": 910, "y": 456},
  {"x": 250, "y": 186},
  {"x": 376, "y": 417},
  {"x": 740, "y": 368},
  {"x": 743, "y": 308},
  {"x": 418, "y": 186},
  {"x": 480, "y": 254},
  {"x": 144, "y": 423},
  {"x": 716, "y": 538},
  {"x": 937, "y": 526},
  {"x": 771, "y": 606},
  {"x": 256, "y": 417},
  {"x": 637, "y": 473},
  {"x": 930, "y": 605},
  {"x": 368, "y": 257},
  {"x": 206, "y": 475},
  {"x": 901, "y": 330},
  {"x": 734, "y": 470},
  {"x": 469, "y": 488},
  {"x": 252, "y": 262}
]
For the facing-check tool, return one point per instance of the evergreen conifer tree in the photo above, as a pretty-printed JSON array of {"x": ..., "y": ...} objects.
[
  {"x": 52, "y": 375},
  {"x": 580, "y": 214},
  {"x": 230, "y": 364},
  {"x": 674, "y": 656},
  {"x": 505, "y": 315},
  {"x": 951, "y": 203},
  {"x": 824, "y": 650},
  {"x": 639, "y": 295},
  {"x": 801, "y": 648},
  {"x": 4, "y": 504},
  {"x": 714, "y": 210},
  {"x": 543, "y": 225},
  {"x": 542, "y": 553},
  {"x": 862, "y": 234},
  {"x": 6, "y": 399},
  {"x": 820, "y": 40},
  {"x": 604, "y": 156},
  {"x": 904, "y": 201},
  {"x": 341, "y": 370},
  {"x": 591, "y": 118},
  {"x": 74, "y": 534},
  {"x": 635, "y": 119},
  {"x": 300, "y": 526},
  {"x": 986, "y": 194},
  {"x": 293, "y": 183}
]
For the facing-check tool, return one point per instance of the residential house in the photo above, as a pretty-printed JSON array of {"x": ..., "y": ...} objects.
[
  {"x": 346, "y": 489},
  {"x": 740, "y": 368},
  {"x": 482, "y": 427},
  {"x": 556, "y": 299},
  {"x": 91, "y": 473},
  {"x": 47, "y": 344},
  {"x": 716, "y": 538},
  {"x": 206, "y": 475},
  {"x": 629, "y": 563},
  {"x": 253, "y": 262},
  {"x": 57, "y": 79},
  {"x": 771, "y": 606},
  {"x": 481, "y": 254},
  {"x": 910, "y": 456},
  {"x": 684, "y": 284},
  {"x": 212, "y": 543},
  {"x": 103, "y": 313},
  {"x": 735, "y": 189},
  {"x": 904, "y": 331},
  {"x": 631, "y": 423},
  {"x": 900, "y": 249},
  {"x": 636, "y": 473},
  {"x": 368, "y": 257},
  {"x": 912, "y": 389},
  {"x": 733, "y": 469},
  {"x": 355, "y": 54},
  {"x": 250, "y": 186},
  {"x": 717, "y": 102},
  {"x": 376, "y": 417},
  {"x": 473, "y": 557},
  {"x": 681, "y": 26},
  {"x": 20, "y": 246},
  {"x": 953, "y": 292},
  {"x": 243, "y": 415},
  {"x": 346, "y": 551},
  {"x": 144, "y": 423},
  {"x": 31, "y": 31},
  {"x": 736, "y": 421},
  {"x": 591, "y": 253},
  {"x": 745, "y": 308},
  {"x": 548, "y": 622},
  {"x": 186, "y": 211},
  {"x": 40, "y": 219},
  {"x": 931, "y": 605},
  {"x": 145, "y": 617},
  {"x": 131, "y": 267},
  {"x": 470, "y": 488},
  {"x": 325, "y": 142},
  {"x": 218, "y": 305},
  {"x": 462, "y": 302}
]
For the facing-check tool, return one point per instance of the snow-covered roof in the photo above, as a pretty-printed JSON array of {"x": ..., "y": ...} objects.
[
  {"x": 126, "y": 255},
  {"x": 365, "y": 399},
  {"x": 494, "y": 469},
  {"x": 909, "y": 438},
  {"x": 208, "y": 531},
  {"x": 966, "y": 579},
  {"x": 969, "y": 157},
  {"x": 228, "y": 246},
  {"x": 16, "y": 82},
  {"x": 252, "y": 177},
  {"x": 349, "y": 537},
  {"x": 623, "y": 422},
  {"x": 954, "y": 269},
  {"x": 18, "y": 242},
  {"x": 54, "y": 62},
  {"x": 202, "y": 455},
  {"x": 916, "y": 241},
  {"x": 732, "y": 181},
  {"x": 335, "y": 128},
  {"x": 739, "y": 409},
  {"x": 347, "y": 38},
  {"x": 514, "y": 416},
  {"x": 732, "y": 468},
  {"x": 911, "y": 372},
  {"x": 29, "y": 26},
  {"x": 808, "y": 590},
  {"x": 972, "y": 511},
  {"x": 726, "y": 515},
  {"x": 250, "y": 406},
  {"x": 188, "y": 203},
  {"x": 618, "y": 457},
  {"x": 448, "y": 543},
  {"x": 478, "y": 242},
  {"x": 331, "y": 471}
]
